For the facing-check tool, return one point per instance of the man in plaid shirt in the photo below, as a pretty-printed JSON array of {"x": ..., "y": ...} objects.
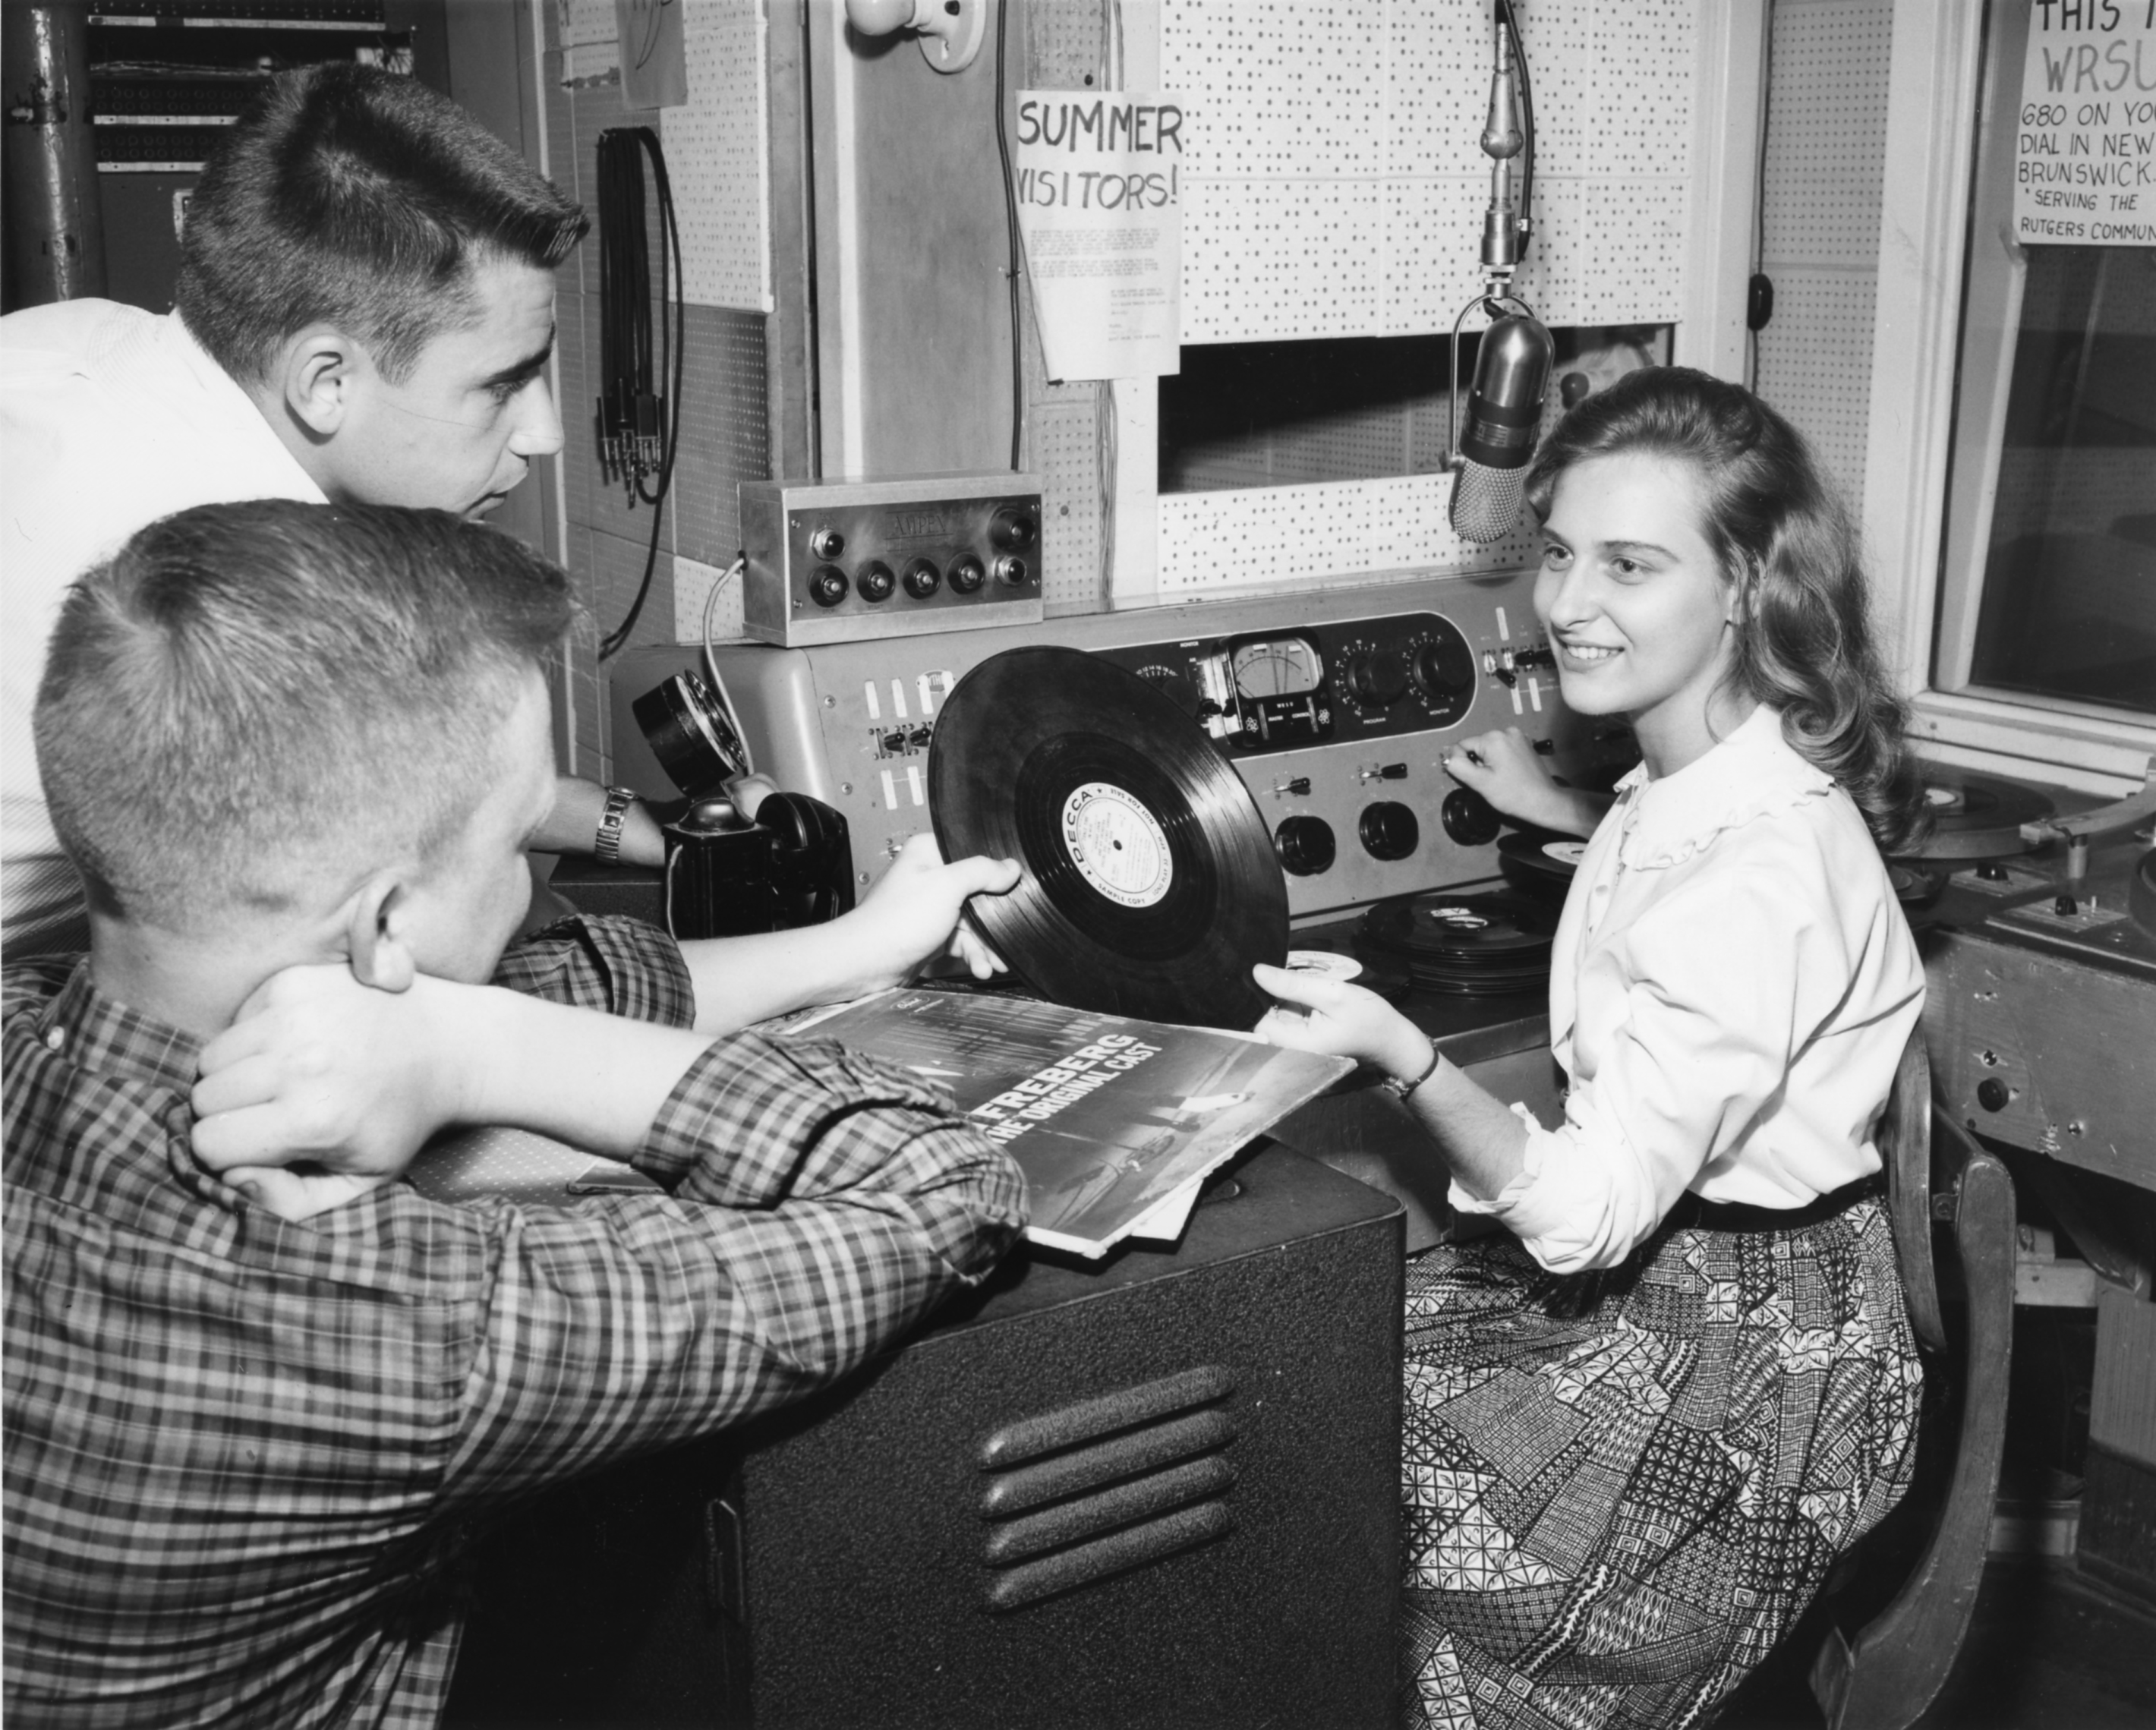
[{"x": 296, "y": 751}]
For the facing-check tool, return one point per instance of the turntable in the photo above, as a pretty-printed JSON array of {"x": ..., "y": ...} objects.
[
  {"x": 1977, "y": 817},
  {"x": 2042, "y": 972}
]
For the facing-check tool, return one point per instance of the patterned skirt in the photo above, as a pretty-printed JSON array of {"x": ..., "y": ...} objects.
[{"x": 1622, "y": 1487}]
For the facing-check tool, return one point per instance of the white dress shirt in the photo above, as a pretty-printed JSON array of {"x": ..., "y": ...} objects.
[
  {"x": 110, "y": 417},
  {"x": 1730, "y": 987}
]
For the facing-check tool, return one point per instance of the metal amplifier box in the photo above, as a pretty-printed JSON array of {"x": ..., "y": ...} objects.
[{"x": 842, "y": 561}]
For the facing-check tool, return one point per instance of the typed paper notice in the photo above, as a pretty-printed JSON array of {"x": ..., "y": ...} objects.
[{"x": 1099, "y": 188}]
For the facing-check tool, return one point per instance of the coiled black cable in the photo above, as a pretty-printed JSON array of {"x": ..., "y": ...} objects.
[{"x": 639, "y": 427}]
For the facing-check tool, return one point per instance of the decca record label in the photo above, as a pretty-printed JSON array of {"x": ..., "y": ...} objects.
[{"x": 1118, "y": 845}]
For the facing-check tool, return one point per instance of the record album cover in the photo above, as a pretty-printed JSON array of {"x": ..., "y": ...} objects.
[{"x": 1110, "y": 1118}]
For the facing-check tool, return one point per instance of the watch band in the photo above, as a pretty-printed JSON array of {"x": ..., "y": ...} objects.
[
  {"x": 1400, "y": 1089},
  {"x": 606, "y": 846}
]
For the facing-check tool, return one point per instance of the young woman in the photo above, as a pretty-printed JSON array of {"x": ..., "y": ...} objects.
[{"x": 1642, "y": 1422}]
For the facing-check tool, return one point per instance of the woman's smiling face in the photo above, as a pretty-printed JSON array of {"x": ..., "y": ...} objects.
[{"x": 1636, "y": 601}]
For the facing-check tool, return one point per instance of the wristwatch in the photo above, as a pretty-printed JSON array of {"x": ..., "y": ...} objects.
[
  {"x": 1400, "y": 1089},
  {"x": 606, "y": 847}
]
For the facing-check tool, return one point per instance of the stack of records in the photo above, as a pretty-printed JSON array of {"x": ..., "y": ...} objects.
[
  {"x": 1539, "y": 862},
  {"x": 1488, "y": 943}
]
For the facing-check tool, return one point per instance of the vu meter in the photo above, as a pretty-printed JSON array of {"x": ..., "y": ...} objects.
[
  {"x": 1266, "y": 693},
  {"x": 1285, "y": 667},
  {"x": 1399, "y": 674}
]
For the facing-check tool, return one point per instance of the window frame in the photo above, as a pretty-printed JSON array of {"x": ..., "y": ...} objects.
[{"x": 1935, "y": 102}]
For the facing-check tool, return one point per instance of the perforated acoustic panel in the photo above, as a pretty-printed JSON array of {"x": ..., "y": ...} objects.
[
  {"x": 1337, "y": 187},
  {"x": 1259, "y": 538},
  {"x": 1824, "y": 166},
  {"x": 1064, "y": 50},
  {"x": 721, "y": 191},
  {"x": 1064, "y": 454}
]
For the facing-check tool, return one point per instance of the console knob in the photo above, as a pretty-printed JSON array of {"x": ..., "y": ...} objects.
[
  {"x": 922, "y": 578},
  {"x": 1468, "y": 817},
  {"x": 1376, "y": 677},
  {"x": 1993, "y": 1094},
  {"x": 1443, "y": 669},
  {"x": 876, "y": 581},
  {"x": 1390, "y": 830},
  {"x": 1012, "y": 529},
  {"x": 968, "y": 574},
  {"x": 827, "y": 586},
  {"x": 1305, "y": 846}
]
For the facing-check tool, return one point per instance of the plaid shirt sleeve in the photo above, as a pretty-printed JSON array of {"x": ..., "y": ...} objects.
[
  {"x": 622, "y": 966},
  {"x": 822, "y": 1204}
]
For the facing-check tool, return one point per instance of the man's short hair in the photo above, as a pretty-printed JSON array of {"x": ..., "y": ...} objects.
[
  {"x": 251, "y": 705},
  {"x": 349, "y": 195}
]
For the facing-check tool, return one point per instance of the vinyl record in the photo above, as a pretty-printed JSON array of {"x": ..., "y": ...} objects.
[
  {"x": 1976, "y": 817},
  {"x": 1472, "y": 945},
  {"x": 1150, "y": 886},
  {"x": 1914, "y": 887},
  {"x": 1539, "y": 862}
]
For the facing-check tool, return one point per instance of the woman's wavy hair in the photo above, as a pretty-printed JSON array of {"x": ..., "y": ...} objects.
[{"x": 1805, "y": 639}]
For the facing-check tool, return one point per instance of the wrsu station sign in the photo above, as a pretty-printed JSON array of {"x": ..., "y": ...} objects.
[{"x": 2085, "y": 134}]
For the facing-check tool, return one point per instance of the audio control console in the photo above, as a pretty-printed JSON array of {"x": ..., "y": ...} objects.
[
  {"x": 839, "y": 560},
  {"x": 1335, "y": 706}
]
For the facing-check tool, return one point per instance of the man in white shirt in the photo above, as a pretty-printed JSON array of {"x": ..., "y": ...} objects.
[{"x": 366, "y": 311}]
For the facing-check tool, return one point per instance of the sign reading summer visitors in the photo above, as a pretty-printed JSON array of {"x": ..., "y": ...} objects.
[
  {"x": 2085, "y": 149},
  {"x": 1099, "y": 185}
]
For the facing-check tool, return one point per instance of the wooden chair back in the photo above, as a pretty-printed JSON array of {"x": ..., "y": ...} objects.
[
  {"x": 1882, "y": 1676},
  {"x": 1905, "y": 1145}
]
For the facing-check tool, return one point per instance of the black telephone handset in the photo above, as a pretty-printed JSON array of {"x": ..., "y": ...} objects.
[
  {"x": 812, "y": 859},
  {"x": 744, "y": 856}
]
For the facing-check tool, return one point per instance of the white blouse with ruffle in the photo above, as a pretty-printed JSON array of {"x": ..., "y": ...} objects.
[{"x": 1731, "y": 985}]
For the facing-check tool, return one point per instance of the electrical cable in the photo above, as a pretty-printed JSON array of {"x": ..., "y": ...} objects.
[
  {"x": 1010, "y": 221},
  {"x": 640, "y": 429},
  {"x": 1525, "y": 225},
  {"x": 1759, "y": 196},
  {"x": 1106, "y": 454},
  {"x": 650, "y": 36},
  {"x": 1105, "y": 434},
  {"x": 731, "y": 573}
]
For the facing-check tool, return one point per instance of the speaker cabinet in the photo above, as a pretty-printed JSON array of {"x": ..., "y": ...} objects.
[{"x": 1163, "y": 1492}]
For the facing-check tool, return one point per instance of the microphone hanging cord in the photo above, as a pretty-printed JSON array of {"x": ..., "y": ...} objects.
[
  {"x": 1525, "y": 225},
  {"x": 640, "y": 425},
  {"x": 1497, "y": 293}
]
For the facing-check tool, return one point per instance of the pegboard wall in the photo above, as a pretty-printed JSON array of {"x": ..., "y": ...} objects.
[
  {"x": 1067, "y": 47},
  {"x": 1065, "y": 451},
  {"x": 1260, "y": 537},
  {"x": 724, "y": 407},
  {"x": 1336, "y": 186},
  {"x": 724, "y": 206},
  {"x": 716, "y": 143},
  {"x": 1821, "y": 195}
]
